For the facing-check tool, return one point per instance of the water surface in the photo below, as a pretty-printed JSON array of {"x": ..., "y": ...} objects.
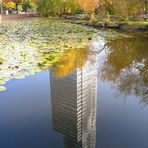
[{"x": 94, "y": 97}]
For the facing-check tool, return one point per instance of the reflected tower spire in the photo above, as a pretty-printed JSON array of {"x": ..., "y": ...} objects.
[{"x": 74, "y": 105}]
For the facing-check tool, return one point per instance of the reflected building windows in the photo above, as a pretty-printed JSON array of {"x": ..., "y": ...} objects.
[{"x": 74, "y": 105}]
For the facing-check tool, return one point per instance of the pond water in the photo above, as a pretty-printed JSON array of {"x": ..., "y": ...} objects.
[{"x": 72, "y": 89}]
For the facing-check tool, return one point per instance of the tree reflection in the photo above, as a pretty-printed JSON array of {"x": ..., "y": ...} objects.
[
  {"x": 126, "y": 65},
  {"x": 74, "y": 58}
]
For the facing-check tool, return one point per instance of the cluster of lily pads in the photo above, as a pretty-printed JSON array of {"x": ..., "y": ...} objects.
[{"x": 31, "y": 46}]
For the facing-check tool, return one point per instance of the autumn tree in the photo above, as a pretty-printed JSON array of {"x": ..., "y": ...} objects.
[
  {"x": 57, "y": 7},
  {"x": 89, "y": 6},
  {"x": 126, "y": 8},
  {"x": 16, "y": 4},
  {"x": 9, "y": 5}
]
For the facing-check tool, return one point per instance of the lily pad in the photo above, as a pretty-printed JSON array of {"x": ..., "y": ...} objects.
[
  {"x": 2, "y": 88},
  {"x": 31, "y": 46}
]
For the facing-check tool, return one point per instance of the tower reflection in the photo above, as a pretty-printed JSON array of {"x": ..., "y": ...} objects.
[{"x": 73, "y": 101}]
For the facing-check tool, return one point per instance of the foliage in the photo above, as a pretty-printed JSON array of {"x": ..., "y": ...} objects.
[
  {"x": 120, "y": 8},
  {"x": 31, "y": 5},
  {"x": 88, "y": 5},
  {"x": 17, "y": 1},
  {"x": 71, "y": 6},
  {"x": 9, "y": 5},
  {"x": 57, "y": 7},
  {"x": 125, "y": 8}
]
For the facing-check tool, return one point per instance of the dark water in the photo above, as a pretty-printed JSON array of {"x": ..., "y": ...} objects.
[{"x": 102, "y": 104}]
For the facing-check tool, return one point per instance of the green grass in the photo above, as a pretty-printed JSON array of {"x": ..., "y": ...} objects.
[{"x": 136, "y": 23}]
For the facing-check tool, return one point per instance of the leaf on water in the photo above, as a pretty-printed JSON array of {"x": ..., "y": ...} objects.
[
  {"x": 19, "y": 77},
  {"x": 2, "y": 88}
]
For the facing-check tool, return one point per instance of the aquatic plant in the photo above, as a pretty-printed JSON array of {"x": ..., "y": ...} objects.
[{"x": 31, "y": 46}]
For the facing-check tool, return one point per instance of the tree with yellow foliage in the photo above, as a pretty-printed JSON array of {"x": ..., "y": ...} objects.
[
  {"x": 89, "y": 6},
  {"x": 9, "y": 5}
]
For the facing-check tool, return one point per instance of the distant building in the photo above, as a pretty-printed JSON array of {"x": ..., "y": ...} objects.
[{"x": 74, "y": 106}]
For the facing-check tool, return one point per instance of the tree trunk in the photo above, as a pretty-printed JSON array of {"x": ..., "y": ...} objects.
[
  {"x": 92, "y": 16},
  {"x": 146, "y": 6},
  {"x": 16, "y": 5}
]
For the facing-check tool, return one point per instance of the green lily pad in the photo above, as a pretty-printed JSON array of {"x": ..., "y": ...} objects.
[
  {"x": 2, "y": 88},
  {"x": 31, "y": 46}
]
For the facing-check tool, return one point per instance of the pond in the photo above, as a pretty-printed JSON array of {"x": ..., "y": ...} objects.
[{"x": 67, "y": 86}]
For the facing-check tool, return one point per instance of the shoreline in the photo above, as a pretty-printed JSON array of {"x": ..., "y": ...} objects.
[
  {"x": 16, "y": 16},
  {"x": 128, "y": 26}
]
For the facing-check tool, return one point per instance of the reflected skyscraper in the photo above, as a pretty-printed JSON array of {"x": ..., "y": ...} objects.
[{"x": 73, "y": 101}]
